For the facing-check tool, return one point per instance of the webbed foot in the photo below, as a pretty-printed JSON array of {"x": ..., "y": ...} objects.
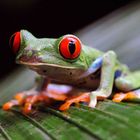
[
  {"x": 129, "y": 96},
  {"x": 28, "y": 99},
  {"x": 18, "y": 99}
]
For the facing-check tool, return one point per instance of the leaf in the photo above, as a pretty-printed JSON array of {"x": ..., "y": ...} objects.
[{"x": 108, "y": 121}]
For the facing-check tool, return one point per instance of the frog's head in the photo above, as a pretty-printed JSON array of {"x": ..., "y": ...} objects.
[{"x": 47, "y": 53}]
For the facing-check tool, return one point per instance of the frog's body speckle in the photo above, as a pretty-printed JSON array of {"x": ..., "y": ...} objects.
[{"x": 71, "y": 73}]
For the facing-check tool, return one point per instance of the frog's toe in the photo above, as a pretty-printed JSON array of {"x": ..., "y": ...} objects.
[
  {"x": 65, "y": 106},
  {"x": 93, "y": 103},
  {"x": 7, "y": 106},
  {"x": 32, "y": 100},
  {"x": 93, "y": 100},
  {"x": 81, "y": 98},
  {"x": 27, "y": 109},
  {"x": 118, "y": 97},
  {"x": 20, "y": 97}
]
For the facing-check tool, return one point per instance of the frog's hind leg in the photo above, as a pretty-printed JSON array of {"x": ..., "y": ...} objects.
[{"x": 129, "y": 86}]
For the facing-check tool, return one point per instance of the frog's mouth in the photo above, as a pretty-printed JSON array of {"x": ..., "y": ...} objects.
[
  {"x": 54, "y": 71},
  {"x": 37, "y": 64},
  {"x": 34, "y": 61}
]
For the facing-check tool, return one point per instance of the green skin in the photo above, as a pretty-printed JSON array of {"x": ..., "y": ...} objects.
[{"x": 42, "y": 56}]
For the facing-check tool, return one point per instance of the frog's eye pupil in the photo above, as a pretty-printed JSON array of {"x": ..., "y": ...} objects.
[
  {"x": 15, "y": 42},
  {"x": 70, "y": 47}
]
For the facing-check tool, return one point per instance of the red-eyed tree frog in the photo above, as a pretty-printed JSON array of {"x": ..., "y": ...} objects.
[{"x": 68, "y": 61}]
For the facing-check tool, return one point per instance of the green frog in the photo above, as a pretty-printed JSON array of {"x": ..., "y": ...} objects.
[{"x": 67, "y": 61}]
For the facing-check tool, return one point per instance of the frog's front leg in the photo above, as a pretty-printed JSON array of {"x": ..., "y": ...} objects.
[
  {"x": 38, "y": 93},
  {"x": 107, "y": 65},
  {"x": 107, "y": 78}
]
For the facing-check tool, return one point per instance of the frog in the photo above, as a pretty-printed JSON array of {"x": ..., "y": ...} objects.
[{"x": 66, "y": 60}]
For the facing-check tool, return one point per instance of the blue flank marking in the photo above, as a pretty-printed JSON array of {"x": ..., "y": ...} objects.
[
  {"x": 96, "y": 65},
  {"x": 117, "y": 73},
  {"x": 93, "y": 67}
]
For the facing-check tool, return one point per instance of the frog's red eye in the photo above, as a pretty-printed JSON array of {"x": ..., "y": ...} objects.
[
  {"x": 15, "y": 42},
  {"x": 70, "y": 47}
]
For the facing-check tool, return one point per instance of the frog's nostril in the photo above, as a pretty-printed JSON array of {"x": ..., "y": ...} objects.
[
  {"x": 44, "y": 71},
  {"x": 15, "y": 42}
]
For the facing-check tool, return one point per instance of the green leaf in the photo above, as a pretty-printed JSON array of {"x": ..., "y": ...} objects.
[
  {"x": 108, "y": 121},
  {"x": 115, "y": 121}
]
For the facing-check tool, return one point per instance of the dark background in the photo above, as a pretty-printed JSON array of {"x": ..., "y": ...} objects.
[{"x": 47, "y": 18}]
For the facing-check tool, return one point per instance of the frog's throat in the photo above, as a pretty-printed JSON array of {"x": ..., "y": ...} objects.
[{"x": 30, "y": 64}]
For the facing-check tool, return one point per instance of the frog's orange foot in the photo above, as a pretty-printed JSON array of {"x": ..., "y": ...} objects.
[
  {"x": 25, "y": 102},
  {"x": 18, "y": 99},
  {"x": 81, "y": 98},
  {"x": 30, "y": 98},
  {"x": 125, "y": 96},
  {"x": 118, "y": 97}
]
